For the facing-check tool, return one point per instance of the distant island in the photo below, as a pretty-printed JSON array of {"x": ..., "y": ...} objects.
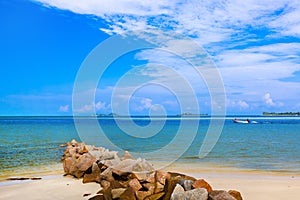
[
  {"x": 178, "y": 115},
  {"x": 294, "y": 114},
  {"x": 107, "y": 115},
  {"x": 191, "y": 115}
]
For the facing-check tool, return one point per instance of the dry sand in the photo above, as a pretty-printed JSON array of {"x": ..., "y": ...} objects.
[
  {"x": 253, "y": 186},
  {"x": 51, "y": 188},
  {"x": 257, "y": 187},
  {"x": 260, "y": 188}
]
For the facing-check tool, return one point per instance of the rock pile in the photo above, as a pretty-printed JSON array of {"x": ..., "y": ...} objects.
[{"x": 128, "y": 179}]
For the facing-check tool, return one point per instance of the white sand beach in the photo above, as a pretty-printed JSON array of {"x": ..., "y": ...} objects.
[
  {"x": 57, "y": 187},
  {"x": 259, "y": 187},
  {"x": 254, "y": 186}
]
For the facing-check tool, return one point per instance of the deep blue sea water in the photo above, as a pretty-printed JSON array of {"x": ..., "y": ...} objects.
[{"x": 33, "y": 143}]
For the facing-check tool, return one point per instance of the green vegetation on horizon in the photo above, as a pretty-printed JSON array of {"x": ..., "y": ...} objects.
[{"x": 281, "y": 114}]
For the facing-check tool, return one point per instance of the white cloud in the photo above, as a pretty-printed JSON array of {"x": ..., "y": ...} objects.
[
  {"x": 253, "y": 70},
  {"x": 288, "y": 23},
  {"x": 117, "y": 7},
  {"x": 143, "y": 104},
  {"x": 90, "y": 108},
  {"x": 210, "y": 21},
  {"x": 64, "y": 108},
  {"x": 242, "y": 36},
  {"x": 239, "y": 104},
  {"x": 284, "y": 53},
  {"x": 85, "y": 108},
  {"x": 243, "y": 104},
  {"x": 100, "y": 105},
  {"x": 146, "y": 103},
  {"x": 269, "y": 101}
]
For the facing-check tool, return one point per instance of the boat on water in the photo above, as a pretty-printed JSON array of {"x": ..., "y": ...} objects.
[{"x": 247, "y": 121}]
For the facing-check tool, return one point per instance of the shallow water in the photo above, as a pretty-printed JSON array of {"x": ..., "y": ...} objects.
[{"x": 33, "y": 143}]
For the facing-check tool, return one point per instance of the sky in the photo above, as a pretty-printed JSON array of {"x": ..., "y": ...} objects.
[{"x": 254, "y": 46}]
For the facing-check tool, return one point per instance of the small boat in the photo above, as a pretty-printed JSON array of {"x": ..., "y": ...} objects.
[{"x": 241, "y": 121}]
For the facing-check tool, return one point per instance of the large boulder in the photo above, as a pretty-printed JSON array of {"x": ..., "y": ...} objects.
[
  {"x": 196, "y": 194},
  {"x": 186, "y": 184},
  {"x": 76, "y": 159},
  {"x": 149, "y": 187},
  {"x": 220, "y": 195},
  {"x": 104, "y": 154},
  {"x": 107, "y": 175},
  {"x": 141, "y": 195},
  {"x": 106, "y": 190},
  {"x": 172, "y": 181},
  {"x": 68, "y": 164},
  {"x": 155, "y": 196},
  {"x": 171, "y": 184},
  {"x": 128, "y": 165},
  {"x": 235, "y": 194},
  {"x": 81, "y": 149},
  {"x": 116, "y": 193},
  {"x": 159, "y": 187},
  {"x": 109, "y": 163},
  {"x": 94, "y": 176},
  {"x": 128, "y": 194},
  {"x": 161, "y": 177},
  {"x": 201, "y": 183},
  {"x": 178, "y": 189},
  {"x": 135, "y": 184},
  {"x": 127, "y": 155},
  {"x": 144, "y": 176},
  {"x": 77, "y": 167},
  {"x": 82, "y": 164}
]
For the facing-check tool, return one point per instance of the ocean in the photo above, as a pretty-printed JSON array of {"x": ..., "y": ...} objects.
[{"x": 31, "y": 145}]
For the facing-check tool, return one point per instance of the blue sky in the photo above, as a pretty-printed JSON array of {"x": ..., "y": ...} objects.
[{"x": 255, "y": 46}]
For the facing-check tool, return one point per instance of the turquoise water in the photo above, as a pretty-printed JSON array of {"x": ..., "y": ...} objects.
[{"x": 33, "y": 143}]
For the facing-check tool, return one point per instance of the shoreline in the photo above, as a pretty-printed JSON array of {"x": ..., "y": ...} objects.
[
  {"x": 199, "y": 173},
  {"x": 211, "y": 168},
  {"x": 49, "y": 170},
  {"x": 182, "y": 167}
]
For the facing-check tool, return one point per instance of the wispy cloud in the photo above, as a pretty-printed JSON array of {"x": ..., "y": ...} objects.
[
  {"x": 143, "y": 104},
  {"x": 239, "y": 105},
  {"x": 222, "y": 19},
  {"x": 242, "y": 104},
  {"x": 104, "y": 7},
  {"x": 64, "y": 108},
  {"x": 93, "y": 107},
  {"x": 255, "y": 44}
]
